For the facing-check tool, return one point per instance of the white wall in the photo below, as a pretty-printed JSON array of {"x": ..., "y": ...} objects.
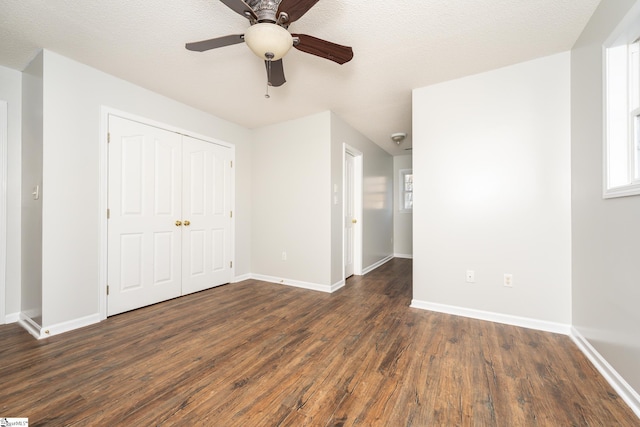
[
  {"x": 11, "y": 92},
  {"x": 492, "y": 191},
  {"x": 284, "y": 177},
  {"x": 283, "y": 184},
  {"x": 73, "y": 96},
  {"x": 377, "y": 205},
  {"x": 296, "y": 165},
  {"x": 402, "y": 221},
  {"x": 291, "y": 201},
  {"x": 605, "y": 263}
]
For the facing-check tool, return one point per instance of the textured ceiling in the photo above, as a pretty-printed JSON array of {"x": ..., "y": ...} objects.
[{"x": 398, "y": 46}]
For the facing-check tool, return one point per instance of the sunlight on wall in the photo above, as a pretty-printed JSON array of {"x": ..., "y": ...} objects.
[{"x": 375, "y": 192}]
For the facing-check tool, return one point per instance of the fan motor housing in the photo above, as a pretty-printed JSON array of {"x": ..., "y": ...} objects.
[{"x": 266, "y": 10}]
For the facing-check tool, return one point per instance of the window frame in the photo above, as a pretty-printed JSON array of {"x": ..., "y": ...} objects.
[
  {"x": 621, "y": 87},
  {"x": 402, "y": 173}
]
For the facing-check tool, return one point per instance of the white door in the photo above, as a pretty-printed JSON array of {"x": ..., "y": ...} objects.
[
  {"x": 144, "y": 202},
  {"x": 206, "y": 213},
  {"x": 349, "y": 213}
]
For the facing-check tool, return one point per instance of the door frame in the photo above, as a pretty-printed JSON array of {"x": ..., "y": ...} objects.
[
  {"x": 357, "y": 207},
  {"x": 103, "y": 191},
  {"x": 4, "y": 137}
]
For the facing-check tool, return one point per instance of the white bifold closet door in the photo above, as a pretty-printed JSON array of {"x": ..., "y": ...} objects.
[
  {"x": 206, "y": 200},
  {"x": 169, "y": 227}
]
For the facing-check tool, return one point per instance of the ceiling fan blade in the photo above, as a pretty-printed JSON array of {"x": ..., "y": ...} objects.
[
  {"x": 209, "y": 44},
  {"x": 295, "y": 8},
  {"x": 276, "y": 76},
  {"x": 324, "y": 49},
  {"x": 240, "y": 7}
]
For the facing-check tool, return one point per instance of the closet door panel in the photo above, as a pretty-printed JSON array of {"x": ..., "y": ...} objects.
[
  {"x": 144, "y": 254},
  {"x": 206, "y": 207}
]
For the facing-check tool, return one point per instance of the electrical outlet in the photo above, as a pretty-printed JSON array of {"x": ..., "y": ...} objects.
[
  {"x": 508, "y": 280},
  {"x": 471, "y": 276},
  {"x": 284, "y": 256}
]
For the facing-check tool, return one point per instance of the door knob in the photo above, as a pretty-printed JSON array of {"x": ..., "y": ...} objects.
[
  {"x": 187, "y": 223},
  {"x": 178, "y": 223},
  {"x": 354, "y": 220}
]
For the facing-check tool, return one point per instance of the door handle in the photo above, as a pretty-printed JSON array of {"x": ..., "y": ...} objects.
[
  {"x": 187, "y": 223},
  {"x": 354, "y": 221},
  {"x": 178, "y": 223}
]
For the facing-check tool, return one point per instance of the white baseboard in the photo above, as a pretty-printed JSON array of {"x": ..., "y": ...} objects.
[
  {"x": 376, "y": 265},
  {"x": 29, "y": 324},
  {"x": 307, "y": 285},
  {"x": 69, "y": 325},
  {"x": 294, "y": 283},
  {"x": 241, "y": 278},
  {"x": 626, "y": 392},
  {"x": 338, "y": 285},
  {"x": 12, "y": 318},
  {"x": 525, "y": 322},
  {"x": 44, "y": 332},
  {"x": 405, "y": 256}
]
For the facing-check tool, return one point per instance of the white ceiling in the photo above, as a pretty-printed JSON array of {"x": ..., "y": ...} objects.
[{"x": 398, "y": 45}]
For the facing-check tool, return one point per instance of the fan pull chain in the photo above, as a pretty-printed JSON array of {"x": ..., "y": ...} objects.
[
  {"x": 269, "y": 57},
  {"x": 266, "y": 95}
]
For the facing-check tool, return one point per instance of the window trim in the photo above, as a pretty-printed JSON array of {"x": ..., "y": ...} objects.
[
  {"x": 620, "y": 152},
  {"x": 402, "y": 173}
]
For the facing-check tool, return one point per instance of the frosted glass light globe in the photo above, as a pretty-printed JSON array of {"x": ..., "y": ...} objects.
[{"x": 264, "y": 38}]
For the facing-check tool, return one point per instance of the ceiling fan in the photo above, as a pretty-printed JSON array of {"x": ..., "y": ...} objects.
[{"x": 269, "y": 38}]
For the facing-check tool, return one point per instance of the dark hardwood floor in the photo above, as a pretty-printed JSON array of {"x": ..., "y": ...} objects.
[{"x": 260, "y": 354}]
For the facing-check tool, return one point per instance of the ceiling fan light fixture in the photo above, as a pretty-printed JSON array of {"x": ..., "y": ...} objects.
[
  {"x": 268, "y": 41},
  {"x": 398, "y": 137}
]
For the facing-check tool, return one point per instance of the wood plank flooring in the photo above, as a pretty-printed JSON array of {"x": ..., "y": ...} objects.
[{"x": 260, "y": 354}]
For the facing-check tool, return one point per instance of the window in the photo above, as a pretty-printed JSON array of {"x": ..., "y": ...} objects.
[
  {"x": 622, "y": 108},
  {"x": 406, "y": 190}
]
